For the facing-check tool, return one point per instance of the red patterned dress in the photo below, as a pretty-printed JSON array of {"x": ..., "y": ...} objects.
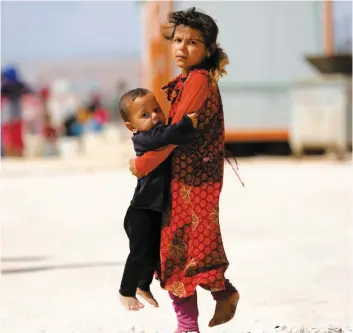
[{"x": 192, "y": 251}]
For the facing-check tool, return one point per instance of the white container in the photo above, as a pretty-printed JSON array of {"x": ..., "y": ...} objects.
[{"x": 321, "y": 115}]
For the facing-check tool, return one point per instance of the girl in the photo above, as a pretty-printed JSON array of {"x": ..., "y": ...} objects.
[{"x": 192, "y": 252}]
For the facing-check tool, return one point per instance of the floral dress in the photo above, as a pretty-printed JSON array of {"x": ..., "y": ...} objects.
[{"x": 192, "y": 251}]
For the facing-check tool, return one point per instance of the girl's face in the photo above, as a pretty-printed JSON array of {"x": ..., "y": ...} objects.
[{"x": 188, "y": 48}]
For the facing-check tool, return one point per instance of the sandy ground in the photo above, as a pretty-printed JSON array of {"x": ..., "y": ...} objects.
[{"x": 288, "y": 237}]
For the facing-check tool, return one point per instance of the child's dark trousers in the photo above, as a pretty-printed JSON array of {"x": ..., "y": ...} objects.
[{"x": 143, "y": 228}]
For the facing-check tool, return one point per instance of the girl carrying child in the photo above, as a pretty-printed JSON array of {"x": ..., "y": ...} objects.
[{"x": 191, "y": 250}]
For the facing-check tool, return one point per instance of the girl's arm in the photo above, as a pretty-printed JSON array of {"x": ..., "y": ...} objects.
[{"x": 195, "y": 92}]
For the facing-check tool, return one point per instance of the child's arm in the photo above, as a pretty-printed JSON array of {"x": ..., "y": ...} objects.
[
  {"x": 183, "y": 132},
  {"x": 195, "y": 93}
]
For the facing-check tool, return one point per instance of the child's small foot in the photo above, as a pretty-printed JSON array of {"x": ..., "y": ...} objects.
[
  {"x": 225, "y": 310},
  {"x": 147, "y": 296},
  {"x": 131, "y": 303}
]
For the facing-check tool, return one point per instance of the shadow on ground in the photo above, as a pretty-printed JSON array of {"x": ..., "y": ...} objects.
[
  {"x": 22, "y": 259},
  {"x": 42, "y": 268}
]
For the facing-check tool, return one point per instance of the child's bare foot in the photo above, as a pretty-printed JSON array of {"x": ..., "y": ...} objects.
[
  {"x": 225, "y": 310},
  {"x": 131, "y": 303},
  {"x": 147, "y": 296}
]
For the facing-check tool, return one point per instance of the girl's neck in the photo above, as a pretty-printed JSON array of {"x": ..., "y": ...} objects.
[{"x": 185, "y": 72}]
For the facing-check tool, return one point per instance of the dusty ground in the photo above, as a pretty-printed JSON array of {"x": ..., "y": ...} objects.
[{"x": 288, "y": 236}]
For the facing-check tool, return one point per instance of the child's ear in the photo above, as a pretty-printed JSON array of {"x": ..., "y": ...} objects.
[{"x": 131, "y": 128}]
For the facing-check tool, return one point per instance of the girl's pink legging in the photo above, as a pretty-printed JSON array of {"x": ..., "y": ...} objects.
[{"x": 187, "y": 310}]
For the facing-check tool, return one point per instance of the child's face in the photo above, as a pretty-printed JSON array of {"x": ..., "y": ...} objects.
[
  {"x": 189, "y": 48},
  {"x": 145, "y": 113}
]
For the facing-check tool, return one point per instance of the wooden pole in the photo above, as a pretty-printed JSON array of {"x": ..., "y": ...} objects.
[
  {"x": 157, "y": 62},
  {"x": 328, "y": 27}
]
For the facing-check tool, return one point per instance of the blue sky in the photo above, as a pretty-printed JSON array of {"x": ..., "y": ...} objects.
[{"x": 47, "y": 30}]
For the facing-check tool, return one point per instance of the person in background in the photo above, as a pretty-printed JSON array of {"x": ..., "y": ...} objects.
[
  {"x": 50, "y": 137},
  {"x": 98, "y": 114},
  {"x": 121, "y": 88},
  {"x": 12, "y": 91}
]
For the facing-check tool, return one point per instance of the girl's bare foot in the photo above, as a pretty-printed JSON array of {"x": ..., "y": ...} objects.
[
  {"x": 147, "y": 296},
  {"x": 131, "y": 303},
  {"x": 225, "y": 310}
]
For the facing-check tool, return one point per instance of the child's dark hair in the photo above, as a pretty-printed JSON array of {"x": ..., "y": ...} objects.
[
  {"x": 128, "y": 98},
  {"x": 218, "y": 59}
]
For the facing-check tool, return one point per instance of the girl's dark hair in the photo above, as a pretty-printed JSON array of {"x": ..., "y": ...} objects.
[{"x": 218, "y": 59}]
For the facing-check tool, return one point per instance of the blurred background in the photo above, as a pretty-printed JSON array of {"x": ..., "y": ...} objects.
[
  {"x": 65, "y": 183},
  {"x": 65, "y": 65}
]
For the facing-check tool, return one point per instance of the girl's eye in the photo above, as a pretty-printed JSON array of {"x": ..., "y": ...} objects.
[
  {"x": 145, "y": 115},
  {"x": 177, "y": 40},
  {"x": 192, "y": 42}
]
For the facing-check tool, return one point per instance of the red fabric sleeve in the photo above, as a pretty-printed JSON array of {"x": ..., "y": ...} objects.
[{"x": 195, "y": 92}]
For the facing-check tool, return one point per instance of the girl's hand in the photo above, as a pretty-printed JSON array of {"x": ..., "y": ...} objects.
[
  {"x": 133, "y": 169},
  {"x": 193, "y": 117}
]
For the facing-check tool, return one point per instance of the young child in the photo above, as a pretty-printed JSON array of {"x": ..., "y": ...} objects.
[{"x": 145, "y": 119}]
